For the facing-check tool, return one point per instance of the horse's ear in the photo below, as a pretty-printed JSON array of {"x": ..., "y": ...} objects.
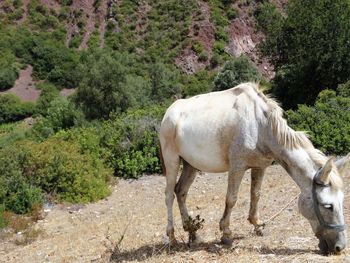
[
  {"x": 324, "y": 175},
  {"x": 343, "y": 165}
]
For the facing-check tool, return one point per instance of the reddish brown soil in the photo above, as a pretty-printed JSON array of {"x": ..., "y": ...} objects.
[
  {"x": 188, "y": 60},
  {"x": 102, "y": 16},
  {"x": 24, "y": 86},
  {"x": 52, "y": 4},
  {"x": 129, "y": 226},
  {"x": 245, "y": 40},
  {"x": 25, "y": 13},
  {"x": 88, "y": 8}
]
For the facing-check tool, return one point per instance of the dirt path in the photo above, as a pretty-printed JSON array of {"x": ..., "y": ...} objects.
[
  {"x": 102, "y": 15},
  {"x": 24, "y": 86},
  {"x": 25, "y": 13},
  {"x": 90, "y": 233},
  {"x": 88, "y": 8}
]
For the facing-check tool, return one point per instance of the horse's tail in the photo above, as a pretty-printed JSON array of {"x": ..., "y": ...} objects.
[{"x": 161, "y": 159}]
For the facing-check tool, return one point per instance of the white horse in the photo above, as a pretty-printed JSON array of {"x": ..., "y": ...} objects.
[{"x": 239, "y": 129}]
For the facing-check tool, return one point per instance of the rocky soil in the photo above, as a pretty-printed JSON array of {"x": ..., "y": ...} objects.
[{"x": 129, "y": 226}]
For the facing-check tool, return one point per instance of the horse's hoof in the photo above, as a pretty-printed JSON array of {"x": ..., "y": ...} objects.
[
  {"x": 227, "y": 241},
  {"x": 170, "y": 241},
  {"x": 259, "y": 230},
  {"x": 195, "y": 239}
]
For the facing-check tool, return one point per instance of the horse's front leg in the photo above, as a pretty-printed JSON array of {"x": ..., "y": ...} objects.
[
  {"x": 234, "y": 181},
  {"x": 257, "y": 176},
  {"x": 183, "y": 185}
]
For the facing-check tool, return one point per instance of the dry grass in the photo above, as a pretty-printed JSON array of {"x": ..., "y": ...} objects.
[{"x": 129, "y": 226}]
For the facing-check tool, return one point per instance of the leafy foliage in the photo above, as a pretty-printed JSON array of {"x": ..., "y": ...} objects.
[
  {"x": 8, "y": 70},
  {"x": 106, "y": 85},
  {"x": 61, "y": 114},
  {"x": 58, "y": 168},
  {"x": 309, "y": 48},
  {"x": 13, "y": 109},
  {"x": 234, "y": 72},
  {"x": 16, "y": 193},
  {"x": 328, "y": 121}
]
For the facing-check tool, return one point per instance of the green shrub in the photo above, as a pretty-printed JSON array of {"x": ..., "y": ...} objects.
[
  {"x": 328, "y": 121},
  {"x": 48, "y": 93},
  {"x": 219, "y": 48},
  {"x": 215, "y": 60},
  {"x": 133, "y": 142},
  {"x": 236, "y": 71},
  {"x": 16, "y": 193},
  {"x": 2, "y": 218},
  {"x": 12, "y": 109},
  {"x": 60, "y": 169},
  {"x": 109, "y": 83},
  {"x": 8, "y": 69},
  {"x": 55, "y": 62},
  {"x": 232, "y": 13},
  {"x": 198, "y": 83},
  {"x": 61, "y": 114},
  {"x": 221, "y": 35}
]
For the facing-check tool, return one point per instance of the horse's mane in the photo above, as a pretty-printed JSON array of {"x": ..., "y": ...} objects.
[{"x": 290, "y": 138}]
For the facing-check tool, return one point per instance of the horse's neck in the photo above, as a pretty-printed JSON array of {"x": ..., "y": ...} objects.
[{"x": 299, "y": 166}]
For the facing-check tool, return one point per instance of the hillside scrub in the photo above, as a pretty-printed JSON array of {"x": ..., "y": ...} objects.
[
  {"x": 236, "y": 71},
  {"x": 128, "y": 143},
  {"x": 328, "y": 121}
]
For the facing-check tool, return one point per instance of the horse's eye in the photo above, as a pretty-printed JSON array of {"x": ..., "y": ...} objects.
[{"x": 328, "y": 206}]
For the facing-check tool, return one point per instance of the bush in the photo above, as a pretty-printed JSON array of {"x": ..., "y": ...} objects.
[
  {"x": 8, "y": 70},
  {"x": 109, "y": 83},
  {"x": 48, "y": 93},
  {"x": 133, "y": 142},
  {"x": 61, "y": 170},
  {"x": 164, "y": 81},
  {"x": 236, "y": 71},
  {"x": 61, "y": 114},
  {"x": 16, "y": 193},
  {"x": 198, "y": 83},
  {"x": 12, "y": 109},
  {"x": 55, "y": 62},
  {"x": 328, "y": 121}
]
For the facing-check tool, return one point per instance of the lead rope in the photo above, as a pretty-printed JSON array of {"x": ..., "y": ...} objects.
[{"x": 280, "y": 211}]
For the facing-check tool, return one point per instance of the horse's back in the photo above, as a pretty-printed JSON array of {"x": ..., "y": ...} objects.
[{"x": 201, "y": 129}]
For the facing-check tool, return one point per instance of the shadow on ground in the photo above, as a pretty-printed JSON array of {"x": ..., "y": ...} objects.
[{"x": 214, "y": 247}]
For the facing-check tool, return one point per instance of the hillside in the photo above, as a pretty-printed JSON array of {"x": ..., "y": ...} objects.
[{"x": 194, "y": 35}]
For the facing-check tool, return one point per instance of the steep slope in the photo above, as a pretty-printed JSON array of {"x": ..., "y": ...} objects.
[{"x": 194, "y": 35}]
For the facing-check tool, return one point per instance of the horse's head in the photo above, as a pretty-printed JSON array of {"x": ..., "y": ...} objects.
[{"x": 323, "y": 205}]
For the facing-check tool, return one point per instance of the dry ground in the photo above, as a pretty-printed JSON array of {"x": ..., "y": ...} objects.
[
  {"x": 24, "y": 86},
  {"x": 130, "y": 224}
]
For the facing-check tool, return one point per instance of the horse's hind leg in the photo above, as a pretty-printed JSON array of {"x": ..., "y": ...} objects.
[
  {"x": 171, "y": 163},
  {"x": 257, "y": 176},
  {"x": 181, "y": 190}
]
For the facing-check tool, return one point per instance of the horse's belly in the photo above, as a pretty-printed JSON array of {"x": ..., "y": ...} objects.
[{"x": 204, "y": 155}]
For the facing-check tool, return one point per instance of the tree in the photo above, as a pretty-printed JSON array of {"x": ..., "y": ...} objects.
[
  {"x": 164, "y": 81},
  {"x": 109, "y": 84},
  {"x": 310, "y": 49},
  {"x": 236, "y": 71}
]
